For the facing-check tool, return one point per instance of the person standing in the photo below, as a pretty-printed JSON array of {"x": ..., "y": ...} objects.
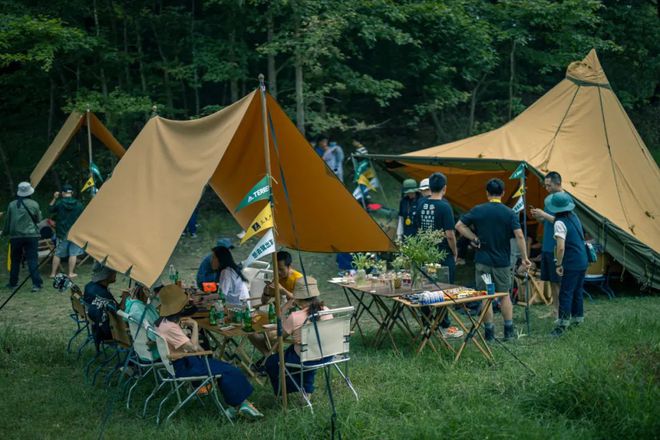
[
  {"x": 571, "y": 263},
  {"x": 435, "y": 213},
  {"x": 495, "y": 224},
  {"x": 21, "y": 225},
  {"x": 552, "y": 184},
  {"x": 407, "y": 209},
  {"x": 424, "y": 188},
  {"x": 333, "y": 156},
  {"x": 66, "y": 210}
]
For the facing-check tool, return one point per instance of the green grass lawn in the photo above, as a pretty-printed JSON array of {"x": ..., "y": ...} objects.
[{"x": 598, "y": 381}]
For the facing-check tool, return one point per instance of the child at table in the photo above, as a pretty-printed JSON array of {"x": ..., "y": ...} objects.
[
  {"x": 232, "y": 281},
  {"x": 307, "y": 299},
  {"x": 234, "y": 386}
]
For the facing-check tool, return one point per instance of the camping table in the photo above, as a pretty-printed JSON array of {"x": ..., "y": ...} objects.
[
  {"x": 373, "y": 299},
  {"x": 429, "y": 324},
  {"x": 231, "y": 340}
]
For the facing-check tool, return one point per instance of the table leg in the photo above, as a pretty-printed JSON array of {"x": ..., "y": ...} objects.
[
  {"x": 357, "y": 313},
  {"x": 476, "y": 332},
  {"x": 476, "y": 325},
  {"x": 428, "y": 331},
  {"x": 387, "y": 314}
]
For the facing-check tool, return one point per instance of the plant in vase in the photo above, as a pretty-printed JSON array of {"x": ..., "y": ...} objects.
[
  {"x": 361, "y": 262},
  {"x": 422, "y": 249}
]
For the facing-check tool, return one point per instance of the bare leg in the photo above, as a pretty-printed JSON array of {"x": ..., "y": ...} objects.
[
  {"x": 506, "y": 307},
  {"x": 488, "y": 317},
  {"x": 72, "y": 266},
  {"x": 554, "y": 287},
  {"x": 56, "y": 265}
]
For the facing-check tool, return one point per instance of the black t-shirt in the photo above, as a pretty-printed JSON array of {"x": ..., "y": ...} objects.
[
  {"x": 436, "y": 215},
  {"x": 407, "y": 210},
  {"x": 494, "y": 224}
]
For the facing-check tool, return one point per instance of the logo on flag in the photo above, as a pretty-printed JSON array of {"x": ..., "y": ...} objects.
[
  {"x": 262, "y": 221},
  {"x": 519, "y": 206},
  {"x": 265, "y": 246},
  {"x": 260, "y": 191},
  {"x": 520, "y": 192},
  {"x": 88, "y": 184},
  {"x": 519, "y": 172}
]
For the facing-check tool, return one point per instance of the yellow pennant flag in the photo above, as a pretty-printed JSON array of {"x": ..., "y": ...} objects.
[
  {"x": 263, "y": 221},
  {"x": 520, "y": 192},
  {"x": 363, "y": 180},
  {"x": 9, "y": 257},
  {"x": 88, "y": 184}
]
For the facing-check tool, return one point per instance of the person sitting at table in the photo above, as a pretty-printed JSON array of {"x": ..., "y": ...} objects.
[
  {"x": 99, "y": 301},
  {"x": 206, "y": 272},
  {"x": 232, "y": 281},
  {"x": 233, "y": 385},
  {"x": 307, "y": 299},
  {"x": 287, "y": 277},
  {"x": 140, "y": 308}
]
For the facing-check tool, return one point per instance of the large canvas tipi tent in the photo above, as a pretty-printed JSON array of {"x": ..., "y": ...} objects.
[
  {"x": 136, "y": 219},
  {"x": 579, "y": 129},
  {"x": 72, "y": 125}
]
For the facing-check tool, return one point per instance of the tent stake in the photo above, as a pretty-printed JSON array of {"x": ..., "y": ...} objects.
[{"x": 276, "y": 281}]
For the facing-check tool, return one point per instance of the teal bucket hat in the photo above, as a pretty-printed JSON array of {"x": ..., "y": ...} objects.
[{"x": 559, "y": 202}]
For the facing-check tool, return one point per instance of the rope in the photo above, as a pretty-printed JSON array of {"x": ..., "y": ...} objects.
[{"x": 26, "y": 278}]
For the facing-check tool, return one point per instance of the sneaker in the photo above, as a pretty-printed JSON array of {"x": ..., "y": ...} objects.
[
  {"x": 509, "y": 333},
  {"x": 9, "y": 286},
  {"x": 489, "y": 334},
  {"x": 558, "y": 331},
  {"x": 205, "y": 390},
  {"x": 36, "y": 288},
  {"x": 451, "y": 332},
  {"x": 247, "y": 409},
  {"x": 231, "y": 412},
  {"x": 193, "y": 235}
]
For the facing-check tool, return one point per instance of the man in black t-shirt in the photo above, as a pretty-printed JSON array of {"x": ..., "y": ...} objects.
[{"x": 495, "y": 224}]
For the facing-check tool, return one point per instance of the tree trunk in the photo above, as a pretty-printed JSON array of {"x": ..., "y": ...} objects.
[
  {"x": 233, "y": 82},
  {"x": 473, "y": 103},
  {"x": 7, "y": 168},
  {"x": 300, "y": 103},
  {"x": 143, "y": 78},
  {"x": 511, "y": 77},
  {"x": 104, "y": 82},
  {"x": 439, "y": 132},
  {"x": 127, "y": 64},
  {"x": 196, "y": 84},
  {"x": 272, "y": 70}
]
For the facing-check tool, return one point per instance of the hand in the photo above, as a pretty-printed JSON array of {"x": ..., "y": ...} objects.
[
  {"x": 527, "y": 264},
  {"x": 476, "y": 243},
  {"x": 560, "y": 271},
  {"x": 537, "y": 213},
  {"x": 56, "y": 195}
]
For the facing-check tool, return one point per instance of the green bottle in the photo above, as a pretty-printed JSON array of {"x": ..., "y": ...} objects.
[
  {"x": 272, "y": 317},
  {"x": 220, "y": 314},
  {"x": 247, "y": 319},
  {"x": 212, "y": 316}
]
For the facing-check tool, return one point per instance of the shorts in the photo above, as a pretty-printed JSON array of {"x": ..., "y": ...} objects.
[
  {"x": 548, "y": 268},
  {"x": 66, "y": 248},
  {"x": 501, "y": 277}
]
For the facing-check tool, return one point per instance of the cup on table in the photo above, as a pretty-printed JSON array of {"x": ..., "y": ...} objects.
[{"x": 490, "y": 289}]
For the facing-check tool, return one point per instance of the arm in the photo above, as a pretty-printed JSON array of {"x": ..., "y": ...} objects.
[
  {"x": 56, "y": 195},
  {"x": 522, "y": 247},
  {"x": 451, "y": 241},
  {"x": 193, "y": 345},
  {"x": 561, "y": 249},
  {"x": 541, "y": 215},
  {"x": 466, "y": 232}
]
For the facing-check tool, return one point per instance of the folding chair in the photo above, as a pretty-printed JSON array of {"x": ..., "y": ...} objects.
[
  {"x": 123, "y": 343},
  {"x": 79, "y": 317},
  {"x": 257, "y": 279},
  {"x": 326, "y": 343},
  {"x": 167, "y": 375},
  {"x": 597, "y": 276},
  {"x": 141, "y": 358}
]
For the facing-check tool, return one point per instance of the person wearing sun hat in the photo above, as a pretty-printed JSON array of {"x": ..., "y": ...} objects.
[
  {"x": 407, "y": 208},
  {"x": 571, "y": 260},
  {"x": 99, "y": 301},
  {"x": 174, "y": 312},
  {"x": 21, "y": 225},
  {"x": 306, "y": 297}
]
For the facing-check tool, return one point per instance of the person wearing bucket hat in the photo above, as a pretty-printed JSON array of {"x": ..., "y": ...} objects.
[
  {"x": 100, "y": 301},
  {"x": 407, "y": 209},
  {"x": 21, "y": 225},
  {"x": 306, "y": 297},
  {"x": 233, "y": 385},
  {"x": 65, "y": 209},
  {"x": 571, "y": 263},
  {"x": 206, "y": 273}
]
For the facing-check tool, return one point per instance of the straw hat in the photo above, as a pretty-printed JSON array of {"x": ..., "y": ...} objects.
[
  {"x": 172, "y": 300},
  {"x": 101, "y": 272},
  {"x": 302, "y": 292},
  {"x": 559, "y": 202},
  {"x": 24, "y": 189}
]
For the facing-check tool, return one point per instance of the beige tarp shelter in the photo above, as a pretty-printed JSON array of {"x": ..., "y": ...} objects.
[
  {"x": 579, "y": 129},
  {"x": 136, "y": 219},
  {"x": 71, "y": 126}
]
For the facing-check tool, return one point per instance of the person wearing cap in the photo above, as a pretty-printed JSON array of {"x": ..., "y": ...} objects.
[
  {"x": 571, "y": 263},
  {"x": 232, "y": 282},
  {"x": 66, "y": 209},
  {"x": 21, "y": 225},
  {"x": 495, "y": 224},
  {"x": 424, "y": 188},
  {"x": 99, "y": 301},
  {"x": 206, "y": 273},
  {"x": 306, "y": 297},
  {"x": 407, "y": 209},
  {"x": 175, "y": 315}
]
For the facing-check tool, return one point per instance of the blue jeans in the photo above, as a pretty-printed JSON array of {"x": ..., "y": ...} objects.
[
  {"x": 571, "y": 301},
  {"x": 234, "y": 386},
  {"x": 272, "y": 367},
  {"x": 191, "y": 226},
  {"x": 27, "y": 247}
]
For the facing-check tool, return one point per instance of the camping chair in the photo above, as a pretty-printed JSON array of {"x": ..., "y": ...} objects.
[
  {"x": 597, "y": 275},
  {"x": 141, "y": 358},
  {"x": 167, "y": 375},
  {"x": 79, "y": 316},
  {"x": 325, "y": 342},
  {"x": 257, "y": 279},
  {"x": 122, "y": 343}
]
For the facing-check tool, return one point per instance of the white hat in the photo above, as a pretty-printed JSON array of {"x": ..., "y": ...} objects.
[
  {"x": 24, "y": 189},
  {"x": 424, "y": 185}
]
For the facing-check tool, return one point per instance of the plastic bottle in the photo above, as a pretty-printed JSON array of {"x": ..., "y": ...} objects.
[
  {"x": 272, "y": 317},
  {"x": 220, "y": 314},
  {"x": 171, "y": 273},
  {"x": 247, "y": 319},
  {"x": 212, "y": 317}
]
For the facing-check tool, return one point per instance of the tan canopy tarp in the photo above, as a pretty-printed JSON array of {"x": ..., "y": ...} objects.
[
  {"x": 136, "y": 219},
  {"x": 579, "y": 129},
  {"x": 71, "y": 126}
]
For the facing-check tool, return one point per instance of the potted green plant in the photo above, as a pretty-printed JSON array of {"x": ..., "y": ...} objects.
[
  {"x": 361, "y": 262},
  {"x": 422, "y": 249}
]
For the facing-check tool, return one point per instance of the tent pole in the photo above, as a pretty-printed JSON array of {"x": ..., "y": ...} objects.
[
  {"x": 89, "y": 145},
  {"x": 276, "y": 281},
  {"x": 524, "y": 195}
]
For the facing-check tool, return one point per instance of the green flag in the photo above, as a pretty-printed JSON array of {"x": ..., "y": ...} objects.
[
  {"x": 519, "y": 172},
  {"x": 260, "y": 191}
]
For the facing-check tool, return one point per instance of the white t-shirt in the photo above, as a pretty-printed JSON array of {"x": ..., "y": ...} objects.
[
  {"x": 560, "y": 229},
  {"x": 234, "y": 288}
]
